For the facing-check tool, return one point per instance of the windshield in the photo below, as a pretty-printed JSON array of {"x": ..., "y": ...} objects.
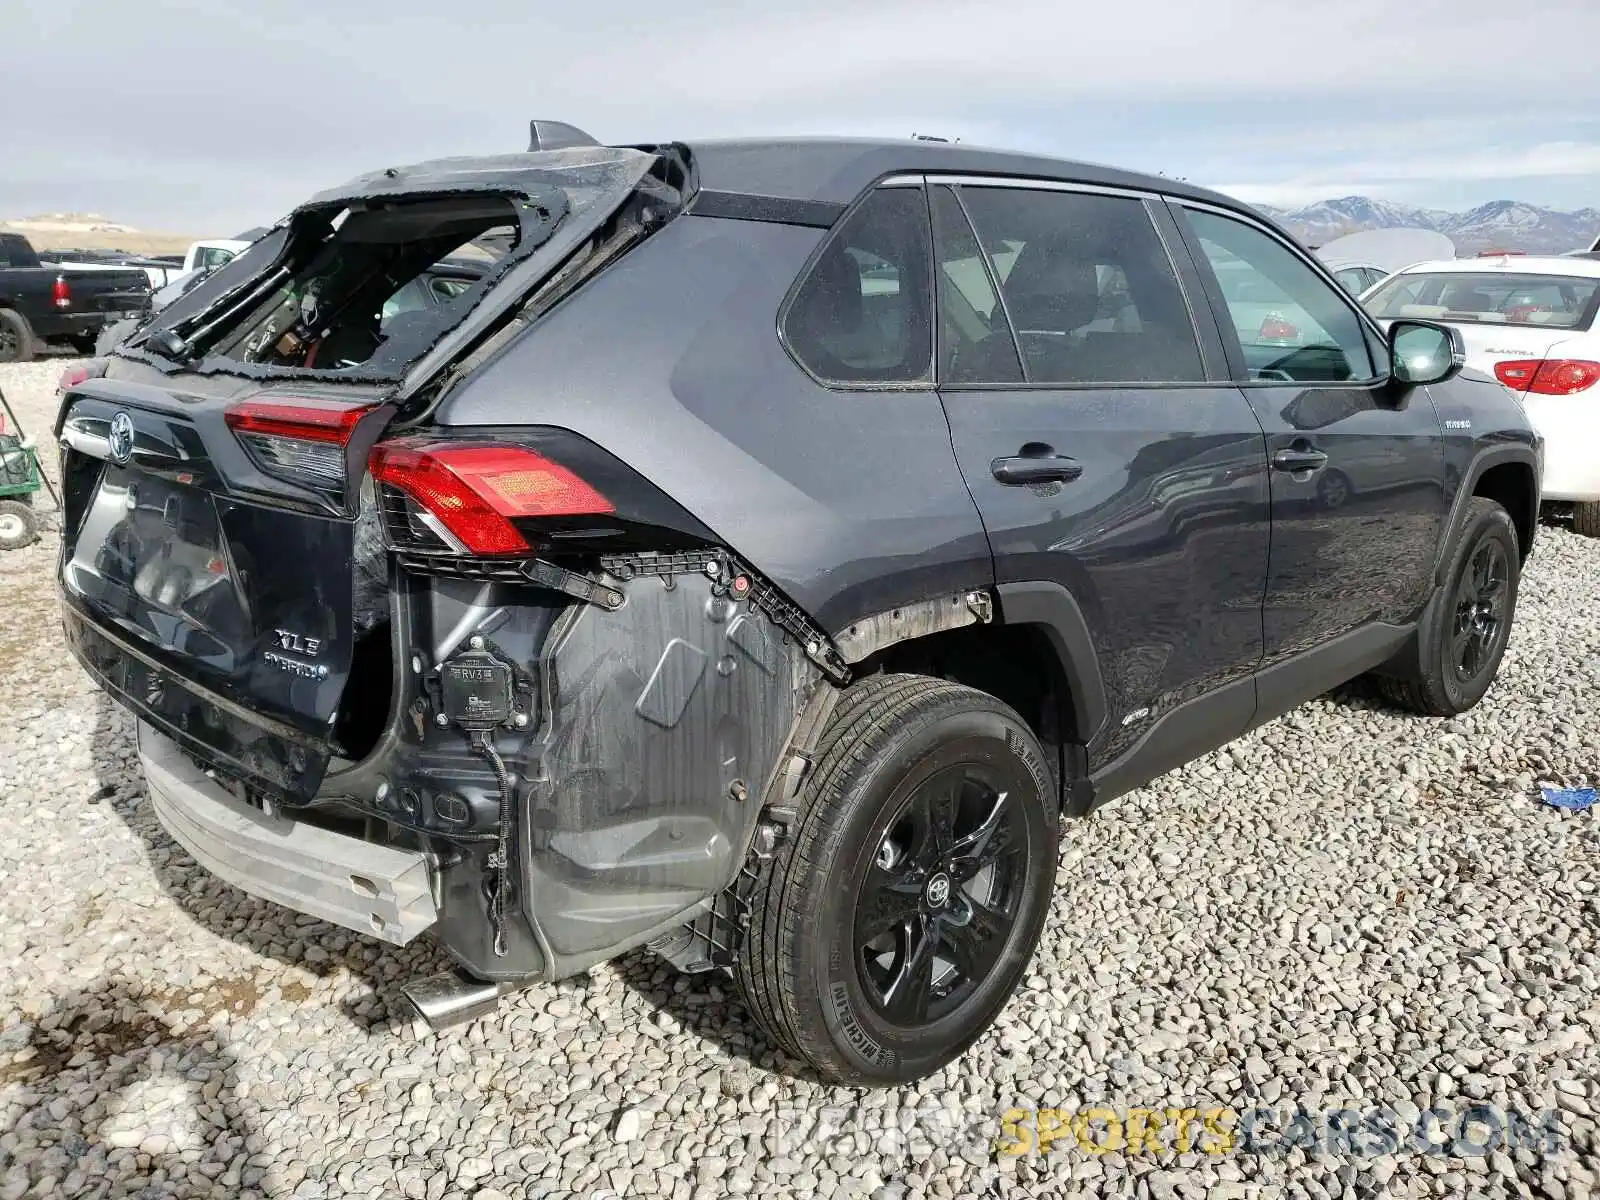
[
  {"x": 1488, "y": 298},
  {"x": 362, "y": 281}
]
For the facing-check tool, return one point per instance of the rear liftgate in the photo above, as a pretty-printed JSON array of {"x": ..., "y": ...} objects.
[{"x": 593, "y": 701}]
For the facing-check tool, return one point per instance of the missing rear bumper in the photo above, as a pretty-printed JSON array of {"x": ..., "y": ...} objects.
[{"x": 378, "y": 890}]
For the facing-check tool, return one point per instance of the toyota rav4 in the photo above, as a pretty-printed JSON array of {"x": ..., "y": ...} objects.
[{"x": 758, "y": 554}]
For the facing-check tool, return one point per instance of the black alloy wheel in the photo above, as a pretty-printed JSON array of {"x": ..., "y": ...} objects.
[
  {"x": 938, "y": 903},
  {"x": 895, "y": 920},
  {"x": 1462, "y": 632},
  {"x": 1480, "y": 610}
]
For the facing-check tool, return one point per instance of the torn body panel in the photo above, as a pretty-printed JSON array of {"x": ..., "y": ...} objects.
[
  {"x": 638, "y": 742},
  {"x": 303, "y": 303}
]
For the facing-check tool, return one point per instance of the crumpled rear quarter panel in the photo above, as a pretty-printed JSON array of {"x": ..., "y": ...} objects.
[{"x": 664, "y": 721}]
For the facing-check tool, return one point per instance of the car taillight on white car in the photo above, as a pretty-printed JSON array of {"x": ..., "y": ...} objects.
[{"x": 1548, "y": 377}]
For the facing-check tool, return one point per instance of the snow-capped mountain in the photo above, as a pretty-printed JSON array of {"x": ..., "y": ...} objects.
[{"x": 1500, "y": 224}]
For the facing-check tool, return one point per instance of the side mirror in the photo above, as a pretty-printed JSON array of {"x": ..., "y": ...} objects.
[{"x": 1422, "y": 352}]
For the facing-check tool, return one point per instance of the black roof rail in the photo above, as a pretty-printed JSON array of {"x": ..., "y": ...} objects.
[{"x": 556, "y": 135}]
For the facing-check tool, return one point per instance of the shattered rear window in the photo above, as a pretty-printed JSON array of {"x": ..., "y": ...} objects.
[
  {"x": 364, "y": 280},
  {"x": 343, "y": 303}
]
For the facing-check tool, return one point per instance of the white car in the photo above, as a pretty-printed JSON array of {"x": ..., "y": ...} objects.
[
  {"x": 1530, "y": 322},
  {"x": 208, "y": 256},
  {"x": 1354, "y": 275}
]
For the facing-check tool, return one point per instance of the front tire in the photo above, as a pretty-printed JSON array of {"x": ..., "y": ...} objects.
[
  {"x": 1462, "y": 635},
  {"x": 893, "y": 924}
]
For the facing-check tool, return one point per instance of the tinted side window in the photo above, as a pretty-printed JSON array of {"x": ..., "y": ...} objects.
[
  {"x": 1087, "y": 285},
  {"x": 863, "y": 312},
  {"x": 975, "y": 343},
  {"x": 1292, "y": 326}
]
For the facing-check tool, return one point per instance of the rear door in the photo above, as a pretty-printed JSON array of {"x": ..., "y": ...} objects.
[
  {"x": 1106, "y": 450},
  {"x": 1358, "y": 489}
]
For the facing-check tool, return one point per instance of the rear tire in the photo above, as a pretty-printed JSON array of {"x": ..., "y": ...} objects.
[
  {"x": 16, "y": 337},
  {"x": 1463, "y": 631},
  {"x": 892, "y": 925},
  {"x": 1586, "y": 518},
  {"x": 18, "y": 525}
]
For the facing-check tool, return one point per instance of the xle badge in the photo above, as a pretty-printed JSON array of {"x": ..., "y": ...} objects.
[{"x": 297, "y": 643}]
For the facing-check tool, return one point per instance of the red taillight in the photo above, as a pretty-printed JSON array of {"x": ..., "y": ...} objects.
[
  {"x": 61, "y": 292},
  {"x": 475, "y": 491},
  {"x": 80, "y": 373},
  {"x": 309, "y": 421},
  {"x": 302, "y": 441},
  {"x": 1276, "y": 329},
  {"x": 1551, "y": 377}
]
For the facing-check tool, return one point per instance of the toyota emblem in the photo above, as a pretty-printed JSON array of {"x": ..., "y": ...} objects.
[{"x": 121, "y": 438}]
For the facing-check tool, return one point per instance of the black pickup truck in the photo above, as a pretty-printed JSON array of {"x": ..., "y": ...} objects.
[{"x": 40, "y": 303}]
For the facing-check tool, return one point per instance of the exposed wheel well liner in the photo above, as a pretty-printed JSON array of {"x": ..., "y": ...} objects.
[
  {"x": 1026, "y": 665},
  {"x": 1511, "y": 485}
]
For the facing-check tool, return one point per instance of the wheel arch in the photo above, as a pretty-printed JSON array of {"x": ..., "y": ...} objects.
[
  {"x": 1513, "y": 485},
  {"x": 1036, "y": 654},
  {"x": 1509, "y": 476}
]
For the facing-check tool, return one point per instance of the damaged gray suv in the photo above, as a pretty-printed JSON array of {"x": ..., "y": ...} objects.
[{"x": 756, "y": 553}]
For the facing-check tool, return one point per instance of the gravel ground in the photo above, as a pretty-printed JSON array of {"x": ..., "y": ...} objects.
[{"x": 1347, "y": 909}]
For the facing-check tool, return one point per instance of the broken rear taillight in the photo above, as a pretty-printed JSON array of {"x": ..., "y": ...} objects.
[
  {"x": 475, "y": 491},
  {"x": 78, "y": 373},
  {"x": 299, "y": 440}
]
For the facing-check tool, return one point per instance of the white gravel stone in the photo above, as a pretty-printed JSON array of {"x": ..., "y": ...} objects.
[{"x": 1349, "y": 907}]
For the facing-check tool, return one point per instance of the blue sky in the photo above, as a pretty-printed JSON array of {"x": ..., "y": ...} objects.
[{"x": 207, "y": 117}]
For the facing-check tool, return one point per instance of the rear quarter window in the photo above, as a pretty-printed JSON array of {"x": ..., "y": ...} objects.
[{"x": 861, "y": 314}]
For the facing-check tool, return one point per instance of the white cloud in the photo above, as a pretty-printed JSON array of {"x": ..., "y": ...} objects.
[{"x": 234, "y": 105}]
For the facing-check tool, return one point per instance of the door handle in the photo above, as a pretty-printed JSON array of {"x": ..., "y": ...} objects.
[
  {"x": 1049, "y": 467},
  {"x": 1302, "y": 458}
]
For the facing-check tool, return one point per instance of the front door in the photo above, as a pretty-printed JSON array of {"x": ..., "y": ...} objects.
[
  {"x": 1106, "y": 450},
  {"x": 1358, "y": 486}
]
